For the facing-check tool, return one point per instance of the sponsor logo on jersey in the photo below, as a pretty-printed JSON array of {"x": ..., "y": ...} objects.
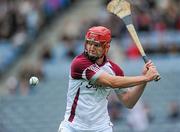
[{"x": 91, "y": 85}]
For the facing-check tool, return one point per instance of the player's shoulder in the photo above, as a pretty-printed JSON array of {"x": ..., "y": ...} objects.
[
  {"x": 79, "y": 64},
  {"x": 81, "y": 61},
  {"x": 116, "y": 68}
]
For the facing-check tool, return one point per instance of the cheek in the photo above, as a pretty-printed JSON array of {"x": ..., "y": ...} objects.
[
  {"x": 87, "y": 47},
  {"x": 100, "y": 51}
]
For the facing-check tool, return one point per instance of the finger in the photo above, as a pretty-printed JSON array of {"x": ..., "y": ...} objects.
[
  {"x": 148, "y": 64},
  {"x": 150, "y": 61},
  {"x": 151, "y": 66}
]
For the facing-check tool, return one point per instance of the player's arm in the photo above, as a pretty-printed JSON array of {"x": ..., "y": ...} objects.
[
  {"x": 108, "y": 80},
  {"x": 131, "y": 96}
]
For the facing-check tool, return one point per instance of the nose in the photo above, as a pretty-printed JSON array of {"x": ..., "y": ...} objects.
[{"x": 92, "y": 46}]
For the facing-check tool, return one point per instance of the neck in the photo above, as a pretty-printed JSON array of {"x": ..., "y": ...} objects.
[{"x": 100, "y": 61}]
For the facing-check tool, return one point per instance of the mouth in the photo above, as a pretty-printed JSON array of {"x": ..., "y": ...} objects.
[{"x": 92, "y": 52}]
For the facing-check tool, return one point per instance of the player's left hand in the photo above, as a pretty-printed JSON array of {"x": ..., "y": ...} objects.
[{"x": 146, "y": 66}]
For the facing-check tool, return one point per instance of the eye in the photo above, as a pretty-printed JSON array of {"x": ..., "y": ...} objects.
[
  {"x": 89, "y": 42},
  {"x": 97, "y": 44}
]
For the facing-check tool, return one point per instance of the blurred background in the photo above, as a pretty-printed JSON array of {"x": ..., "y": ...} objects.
[{"x": 40, "y": 38}]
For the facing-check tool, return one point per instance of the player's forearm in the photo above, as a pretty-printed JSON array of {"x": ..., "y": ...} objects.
[
  {"x": 130, "y": 98},
  {"x": 135, "y": 94},
  {"x": 108, "y": 80},
  {"x": 123, "y": 82}
]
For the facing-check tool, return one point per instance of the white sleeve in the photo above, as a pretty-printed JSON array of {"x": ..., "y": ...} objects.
[{"x": 92, "y": 73}]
